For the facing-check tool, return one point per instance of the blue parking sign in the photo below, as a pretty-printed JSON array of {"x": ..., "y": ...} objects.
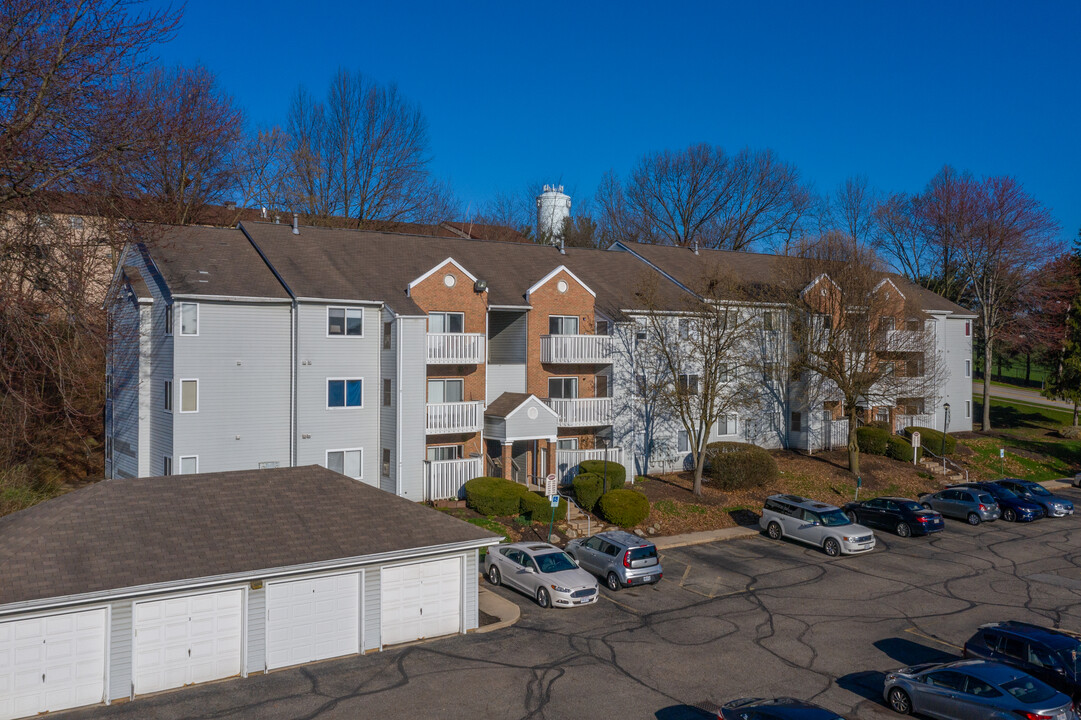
[{"x": 555, "y": 500}]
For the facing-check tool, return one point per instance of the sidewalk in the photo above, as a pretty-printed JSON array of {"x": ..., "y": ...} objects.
[
  {"x": 706, "y": 536},
  {"x": 505, "y": 612}
]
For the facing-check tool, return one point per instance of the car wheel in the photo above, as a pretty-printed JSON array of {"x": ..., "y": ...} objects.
[
  {"x": 832, "y": 547},
  {"x": 852, "y": 517},
  {"x": 493, "y": 576},
  {"x": 1009, "y": 515},
  {"x": 904, "y": 530},
  {"x": 900, "y": 701},
  {"x": 612, "y": 581},
  {"x": 774, "y": 530},
  {"x": 973, "y": 519},
  {"x": 543, "y": 598}
]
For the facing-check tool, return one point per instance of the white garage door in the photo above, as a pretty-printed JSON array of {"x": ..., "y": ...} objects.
[
  {"x": 186, "y": 640},
  {"x": 52, "y": 663},
  {"x": 312, "y": 619},
  {"x": 421, "y": 600}
]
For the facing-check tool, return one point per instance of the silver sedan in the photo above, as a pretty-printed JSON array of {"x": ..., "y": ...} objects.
[{"x": 542, "y": 571}]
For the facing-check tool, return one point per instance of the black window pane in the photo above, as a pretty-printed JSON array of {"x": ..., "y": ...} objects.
[
  {"x": 455, "y": 322},
  {"x": 336, "y": 321},
  {"x": 355, "y": 325}
]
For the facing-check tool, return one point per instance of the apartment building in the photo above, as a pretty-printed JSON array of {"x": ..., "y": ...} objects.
[{"x": 415, "y": 363}]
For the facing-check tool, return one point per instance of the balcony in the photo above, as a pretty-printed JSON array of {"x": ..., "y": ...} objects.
[
  {"x": 568, "y": 461},
  {"x": 455, "y": 348},
  {"x": 446, "y": 477},
  {"x": 454, "y": 417},
  {"x": 576, "y": 349},
  {"x": 582, "y": 412}
]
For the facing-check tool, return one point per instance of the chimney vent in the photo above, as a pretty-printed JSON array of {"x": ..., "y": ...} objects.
[{"x": 296, "y": 224}]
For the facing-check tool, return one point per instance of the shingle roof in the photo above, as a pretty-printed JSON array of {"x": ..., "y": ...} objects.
[
  {"x": 506, "y": 403},
  {"x": 138, "y": 285},
  {"x": 131, "y": 532}
]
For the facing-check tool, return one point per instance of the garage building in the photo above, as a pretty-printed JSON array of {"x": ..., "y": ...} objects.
[{"x": 135, "y": 586}]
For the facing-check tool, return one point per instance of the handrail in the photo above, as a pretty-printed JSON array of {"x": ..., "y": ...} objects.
[
  {"x": 589, "y": 518},
  {"x": 945, "y": 460}
]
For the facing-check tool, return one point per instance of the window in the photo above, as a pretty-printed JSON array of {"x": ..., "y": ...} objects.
[
  {"x": 168, "y": 395},
  {"x": 968, "y": 408},
  {"x": 641, "y": 387},
  {"x": 189, "y": 318},
  {"x": 724, "y": 372},
  {"x": 189, "y": 464},
  {"x": 769, "y": 371},
  {"x": 168, "y": 319},
  {"x": 562, "y": 325},
  {"x": 347, "y": 462},
  {"x": 968, "y": 368},
  {"x": 567, "y": 444},
  {"x": 726, "y": 424},
  {"x": 565, "y": 388},
  {"x": 387, "y": 394},
  {"x": 76, "y": 223},
  {"x": 827, "y": 322},
  {"x": 914, "y": 325},
  {"x": 797, "y": 422},
  {"x": 345, "y": 393},
  {"x": 602, "y": 388},
  {"x": 769, "y": 322},
  {"x": 166, "y": 465},
  {"x": 947, "y": 679},
  {"x": 388, "y": 331},
  {"x": 444, "y": 452},
  {"x": 688, "y": 384},
  {"x": 886, "y": 323},
  {"x": 968, "y": 328},
  {"x": 385, "y": 464},
  {"x": 446, "y": 322},
  {"x": 683, "y": 443},
  {"x": 189, "y": 396},
  {"x": 639, "y": 338},
  {"x": 684, "y": 328},
  {"x": 343, "y": 322},
  {"x": 602, "y": 327},
  {"x": 446, "y": 391}
]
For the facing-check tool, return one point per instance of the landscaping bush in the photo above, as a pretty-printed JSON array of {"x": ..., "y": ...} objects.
[
  {"x": 932, "y": 439},
  {"x": 736, "y": 466},
  {"x": 625, "y": 508},
  {"x": 587, "y": 490},
  {"x": 493, "y": 496},
  {"x": 901, "y": 449},
  {"x": 617, "y": 474},
  {"x": 536, "y": 508},
  {"x": 881, "y": 425},
  {"x": 872, "y": 440},
  {"x": 1070, "y": 432}
]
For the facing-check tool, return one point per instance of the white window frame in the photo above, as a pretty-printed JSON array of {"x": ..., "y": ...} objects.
[
  {"x": 345, "y": 397},
  {"x": 769, "y": 321},
  {"x": 346, "y": 309},
  {"x": 180, "y": 407},
  {"x": 968, "y": 368},
  {"x": 722, "y": 430},
  {"x": 968, "y": 409},
  {"x": 684, "y": 325},
  {"x": 577, "y": 324},
  {"x": 168, "y": 404},
  {"x": 562, "y": 379},
  {"x": 445, "y": 314},
  {"x": 680, "y": 384},
  {"x": 460, "y": 453},
  {"x": 683, "y": 441},
  {"x": 180, "y": 307},
  {"x": 189, "y": 457},
  {"x": 385, "y": 465},
  {"x": 386, "y": 392},
  {"x": 326, "y": 460},
  {"x": 568, "y": 441},
  {"x": 968, "y": 328},
  {"x": 444, "y": 381},
  {"x": 166, "y": 465},
  {"x": 388, "y": 335}
]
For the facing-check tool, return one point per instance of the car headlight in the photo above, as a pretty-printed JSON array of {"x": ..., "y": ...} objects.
[
  {"x": 850, "y": 538},
  {"x": 557, "y": 588}
]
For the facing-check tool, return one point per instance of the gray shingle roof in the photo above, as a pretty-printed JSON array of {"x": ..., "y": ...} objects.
[
  {"x": 506, "y": 403},
  {"x": 131, "y": 532}
]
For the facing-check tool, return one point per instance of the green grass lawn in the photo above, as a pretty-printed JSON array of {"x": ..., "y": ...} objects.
[{"x": 1033, "y": 452}]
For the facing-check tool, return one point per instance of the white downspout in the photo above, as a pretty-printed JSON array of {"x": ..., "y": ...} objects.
[{"x": 396, "y": 343}]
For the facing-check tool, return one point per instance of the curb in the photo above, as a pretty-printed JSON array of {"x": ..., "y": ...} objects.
[
  {"x": 706, "y": 536},
  {"x": 507, "y": 612}
]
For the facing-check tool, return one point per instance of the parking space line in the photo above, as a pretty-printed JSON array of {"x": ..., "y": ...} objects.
[
  {"x": 914, "y": 631},
  {"x": 686, "y": 572},
  {"x": 617, "y": 602}
]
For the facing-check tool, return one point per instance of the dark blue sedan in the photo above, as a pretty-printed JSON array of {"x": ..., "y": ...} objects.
[
  {"x": 1014, "y": 507},
  {"x": 1053, "y": 505},
  {"x": 900, "y": 515}
]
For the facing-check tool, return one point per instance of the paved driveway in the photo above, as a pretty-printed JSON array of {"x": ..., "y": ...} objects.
[{"x": 736, "y": 618}]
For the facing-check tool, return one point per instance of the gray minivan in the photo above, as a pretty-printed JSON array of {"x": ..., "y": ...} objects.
[
  {"x": 969, "y": 504},
  {"x": 622, "y": 559}
]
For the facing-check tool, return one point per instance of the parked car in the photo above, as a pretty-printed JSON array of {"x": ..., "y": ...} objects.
[
  {"x": 542, "y": 571},
  {"x": 783, "y": 708},
  {"x": 900, "y": 515},
  {"x": 1051, "y": 655},
  {"x": 621, "y": 558},
  {"x": 1014, "y": 508},
  {"x": 974, "y": 689},
  {"x": 1053, "y": 505},
  {"x": 975, "y": 506},
  {"x": 814, "y": 523}
]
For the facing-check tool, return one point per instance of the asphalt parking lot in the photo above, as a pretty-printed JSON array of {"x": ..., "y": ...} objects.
[{"x": 746, "y": 617}]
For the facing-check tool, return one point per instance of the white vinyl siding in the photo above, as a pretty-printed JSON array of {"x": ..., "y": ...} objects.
[{"x": 256, "y": 659}]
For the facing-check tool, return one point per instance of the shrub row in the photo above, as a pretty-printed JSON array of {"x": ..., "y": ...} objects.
[
  {"x": 737, "y": 466},
  {"x": 625, "y": 508},
  {"x": 872, "y": 440},
  {"x": 617, "y": 474},
  {"x": 932, "y": 439},
  {"x": 589, "y": 486},
  {"x": 500, "y": 497},
  {"x": 901, "y": 449}
]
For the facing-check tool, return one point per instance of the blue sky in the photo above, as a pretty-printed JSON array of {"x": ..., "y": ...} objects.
[{"x": 527, "y": 92}]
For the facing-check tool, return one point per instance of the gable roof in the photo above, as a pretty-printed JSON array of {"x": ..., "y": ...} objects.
[
  {"x": 128, "y": 533},
  {"x": 511, "y": 402}
]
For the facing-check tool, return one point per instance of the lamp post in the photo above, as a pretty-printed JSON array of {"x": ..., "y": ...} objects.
[{"x": 945, "y": 429}]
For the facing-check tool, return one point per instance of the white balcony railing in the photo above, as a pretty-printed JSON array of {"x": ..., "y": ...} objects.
[
  {"x": 567, "y": 461},
  {"x": 446, "y": 477},
  {"x": 900, "y": 422},
  {"x": 576, "y": 349},
  {"x": 582, "y": 412},
  {"x": 454, "y": 417},
  {"x": 455, "y": 348}
]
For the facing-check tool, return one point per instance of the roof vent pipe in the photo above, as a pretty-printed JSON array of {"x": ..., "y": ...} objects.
[
  {"x": 296, "y": 224},
  {"x": 695, "y": 246},
  {"x": 562, "y": 250}
]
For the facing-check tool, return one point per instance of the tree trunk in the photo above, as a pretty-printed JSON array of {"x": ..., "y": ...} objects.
[
  {"x": 853, "y": 445},
  {"x": 986, "y": 424},
  {"x": 1028, "y": 368},
  {"x": 1075, "y": 413},
  {"x": 699, "y": 466}
]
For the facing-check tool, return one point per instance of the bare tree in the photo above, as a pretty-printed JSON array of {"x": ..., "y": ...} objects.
[
  {"x": 1013, "y": 236},
  {"x": 857, "y": 339},
  {"x": 851, "y": 210},
  {"x": 261, "y": 171}
]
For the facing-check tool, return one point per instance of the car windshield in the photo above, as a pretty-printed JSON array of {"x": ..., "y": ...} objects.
[
  {"x": 911, "y": 505},
  {"x": 1038, "y": 490},
  {"x": 554, "y": 562},
  {"x": 644, "y": 553},
  {"x": 1029, "y": 690},
  {"x": 833, "y": 518},
  {"x": 1001, "y": 492}
]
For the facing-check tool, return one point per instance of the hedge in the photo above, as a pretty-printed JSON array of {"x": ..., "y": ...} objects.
[
  {"x": 901, "y": 449},
  {"x": 932, "y": 439},
  {"x": 881, "y": 425},
  {"x": 625, "y": 508},
  {"x": 536, "y": 507},
  {"x": 617, "y": 474},
  {"x": 493, "y": 496},
  {"x": 872, "y": 440},
  {"x": 587, "y": 489},
  {"x": 736, "y": 466}
]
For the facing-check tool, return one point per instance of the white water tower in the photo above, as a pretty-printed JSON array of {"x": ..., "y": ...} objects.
[{"x": 553, "y": 207}]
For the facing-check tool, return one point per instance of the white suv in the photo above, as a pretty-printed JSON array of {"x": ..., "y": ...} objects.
[{"x": 814, "y": 523}]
